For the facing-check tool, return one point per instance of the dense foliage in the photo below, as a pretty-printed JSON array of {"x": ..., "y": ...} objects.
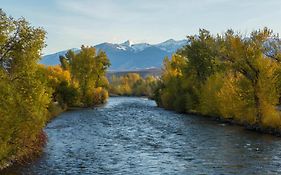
[
  {"x": 23, "y": 97},
  {"x": 87, "y": 83},
  {"x": 30, "y": 94},
  {"x": 132, "y": 84},
  {"x": 229, "y": 75}
]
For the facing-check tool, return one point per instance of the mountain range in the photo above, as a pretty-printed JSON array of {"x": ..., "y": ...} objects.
[{"x": 129, "y": 56}]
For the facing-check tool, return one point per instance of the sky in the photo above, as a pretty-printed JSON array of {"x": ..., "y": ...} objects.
[{"x": 71, "y": 23}]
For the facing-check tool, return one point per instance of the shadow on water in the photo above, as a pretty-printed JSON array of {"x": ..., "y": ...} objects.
[{"x": 133, "y": 136}]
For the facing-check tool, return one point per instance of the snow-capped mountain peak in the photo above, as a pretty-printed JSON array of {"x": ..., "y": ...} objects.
[
  {"x": 140, "y": 47},
  {"x": 171, "y": 45},
  {"x": 127, "y": 43},
  {"x": 129, "y": 56},
  {"x": 169, "y": 41}
]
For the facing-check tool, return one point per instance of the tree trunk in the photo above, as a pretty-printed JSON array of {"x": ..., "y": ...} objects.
[{"x": 257, "y": 106}]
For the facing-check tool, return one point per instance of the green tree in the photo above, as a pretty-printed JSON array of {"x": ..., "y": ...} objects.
[
  {"x": 230, "y": 75},
  {"x": 248, "y": 58},
  {"x": 87, "y": 69},
  {"x": 201, "y": 54},
  {"x": 132, "y": 84},
  {"x": 24, "y": 98}
]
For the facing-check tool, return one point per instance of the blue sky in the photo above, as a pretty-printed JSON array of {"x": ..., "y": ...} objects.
[{"x": 71, "y": 23}]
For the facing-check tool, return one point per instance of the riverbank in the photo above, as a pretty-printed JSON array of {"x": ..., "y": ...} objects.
[
  {"x": 137, "y": 96},
  {"x": 255, "y": 128},
  {"x": 132, "y": 136},
  {"x": 55, "y": 110},
  {"x": 32, "y": 150}
]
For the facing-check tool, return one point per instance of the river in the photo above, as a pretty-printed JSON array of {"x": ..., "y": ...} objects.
[{"x": 133, "y": 136}]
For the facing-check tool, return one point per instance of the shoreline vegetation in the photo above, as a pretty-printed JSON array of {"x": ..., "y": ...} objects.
[
  {"x": 132, "y": 84},
  {"x": 32, "y": 94},
  {"x": 229, "y": 77}
]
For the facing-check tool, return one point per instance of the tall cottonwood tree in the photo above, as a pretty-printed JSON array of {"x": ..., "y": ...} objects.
[
  {"x": 246, "y": 56},
  {"x": 87, "y": 68},
  {"x": 23, "y": 97}
]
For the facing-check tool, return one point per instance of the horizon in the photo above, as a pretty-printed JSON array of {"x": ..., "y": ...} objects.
[
  {"x": 70, "y": 24},
  {"x": 131, "y": 41}
]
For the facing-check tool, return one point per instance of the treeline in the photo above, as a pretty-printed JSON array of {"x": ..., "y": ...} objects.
[
  {"x": 132, "y": 84},
  {"x": 229, "y": 76},
  {"x": 31, "y": 93}
]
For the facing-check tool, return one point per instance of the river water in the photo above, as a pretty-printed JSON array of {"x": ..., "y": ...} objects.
[{"x": 133, "y": 136}]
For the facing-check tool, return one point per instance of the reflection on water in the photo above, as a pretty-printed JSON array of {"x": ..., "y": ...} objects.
[{"x": 133, "y": 136}]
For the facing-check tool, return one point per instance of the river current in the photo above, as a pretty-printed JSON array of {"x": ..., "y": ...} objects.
[{"x": 134, "y": 136}]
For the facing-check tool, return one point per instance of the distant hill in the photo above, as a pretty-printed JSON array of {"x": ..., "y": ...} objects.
[
  {"x": 53, "y": 59},
  {"x": 127, "y": 56}
]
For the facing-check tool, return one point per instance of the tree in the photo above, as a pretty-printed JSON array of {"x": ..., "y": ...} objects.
[
  {"x": 247, "y": 57},
  {"x": 132, "y": 84},
  {"x": 87, "y": 69},
  {"x": 24, "y": 97},
  {"x": 201, "y": 54},
  {"x": 229, "y": 75}
]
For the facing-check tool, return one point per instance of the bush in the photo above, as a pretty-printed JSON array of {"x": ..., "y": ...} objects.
[
  {"x": 100, "y": 95},
  {"x": 67, "y": 94}
]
